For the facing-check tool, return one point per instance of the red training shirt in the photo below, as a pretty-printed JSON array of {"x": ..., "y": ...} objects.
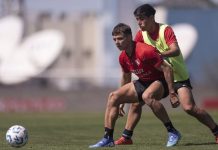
[
  {"x": 169, "y": 36},
  {"x": 143, "y": 62}
]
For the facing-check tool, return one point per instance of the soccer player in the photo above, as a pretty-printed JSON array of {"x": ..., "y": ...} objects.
[
  {"x": 155, "y": 82},
  {"x": 163, "y": 38}
]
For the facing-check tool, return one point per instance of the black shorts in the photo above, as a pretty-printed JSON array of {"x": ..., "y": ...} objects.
[
  {"x": 141, "y": 86},
  {"x": 179, "y": 84}
]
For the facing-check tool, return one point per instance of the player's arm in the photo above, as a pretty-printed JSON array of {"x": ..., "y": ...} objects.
[
  {"x": 173, "y": 51},
  {"x": 157, "y": 61},
  {"x": 171, "y": 41},
  {"x": 125, "y": 78},
  {"x": 126, "y": 74},
  {"x": 168, "y": 74}
]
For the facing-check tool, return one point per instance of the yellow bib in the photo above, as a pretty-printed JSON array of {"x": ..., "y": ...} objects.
[{"x": 179, "y": 69}]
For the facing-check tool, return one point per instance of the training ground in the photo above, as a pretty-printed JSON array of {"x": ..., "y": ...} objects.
[{"x": 73, "y": 120}]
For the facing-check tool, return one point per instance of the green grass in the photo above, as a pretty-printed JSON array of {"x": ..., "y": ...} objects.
[{"x": 76, "y": 131}]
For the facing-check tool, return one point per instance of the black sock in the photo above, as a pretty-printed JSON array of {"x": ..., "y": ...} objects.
[
  {"x": 215, "y": 131},
  {"x": 108, "y": 133},
  {"x": 169, "y": 126},
  {"x": 127, "y": 134}
]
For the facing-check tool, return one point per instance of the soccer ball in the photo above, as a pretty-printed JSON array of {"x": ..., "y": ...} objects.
[{"x": 17, "y": 136}]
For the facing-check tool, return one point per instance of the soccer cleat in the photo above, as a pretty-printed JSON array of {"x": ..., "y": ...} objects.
[
  {"x": 103, "y": 143},
  {"x": 123, "y": 141},
  {"x": 173, "y": 138},
  {"x": 216, "y": 138}
]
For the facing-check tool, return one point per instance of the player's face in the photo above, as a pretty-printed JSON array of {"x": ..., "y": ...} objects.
[
  {"x": 121, "y": 41},
  {"x": 144, "y": 22}
]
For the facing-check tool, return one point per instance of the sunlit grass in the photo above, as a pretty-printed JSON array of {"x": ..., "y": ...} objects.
[{"x": 76, "y": 131}]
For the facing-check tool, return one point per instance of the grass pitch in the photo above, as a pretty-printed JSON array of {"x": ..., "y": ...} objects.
[{"x": 76, "y": 131}]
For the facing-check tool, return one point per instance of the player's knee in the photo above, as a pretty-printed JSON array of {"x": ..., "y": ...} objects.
[
  {"x": 113, "y": 98},
  {"x": 190, "y": 109},
  {"x": 147, "y": 98}
]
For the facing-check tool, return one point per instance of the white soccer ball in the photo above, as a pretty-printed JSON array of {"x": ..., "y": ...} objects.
[{"x": 17, "y": 136}]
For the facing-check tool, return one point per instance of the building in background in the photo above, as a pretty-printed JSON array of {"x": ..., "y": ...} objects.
[{"x": 89, "y": 57}]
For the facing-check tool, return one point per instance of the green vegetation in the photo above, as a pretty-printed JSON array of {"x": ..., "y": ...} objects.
[{"x": 76, "y": 131}]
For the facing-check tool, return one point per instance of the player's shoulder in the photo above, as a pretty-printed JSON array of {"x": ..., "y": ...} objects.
[
  {"x": 144, "y": 50},
  {"x": 143, "y": 47},
  {"x": 167, "y": 28},
  {"x": 122, "y": 53},
  {"x": 122, "y": 56},
  {"x": 139, "y": 37},
  {"x": 139, "y": 32}
]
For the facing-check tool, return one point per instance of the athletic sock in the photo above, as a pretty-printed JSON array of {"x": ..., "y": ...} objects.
[
  {"x": 169, "y": 126},
  {"x": 127, "y": 134},
  {"x": 108, "y": 133},
  {"x": 215, "y": 131}
]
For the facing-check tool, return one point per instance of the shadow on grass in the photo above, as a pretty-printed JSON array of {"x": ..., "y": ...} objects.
[{"x": 195, "y": 144}]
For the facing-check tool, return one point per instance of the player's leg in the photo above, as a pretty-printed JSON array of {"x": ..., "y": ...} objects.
[
  {"x": 134, "y": 115},
  {"x": 154, "y": 92},
  {"x": 189, "y": 106},
  {"x": 125, "y": 94}
]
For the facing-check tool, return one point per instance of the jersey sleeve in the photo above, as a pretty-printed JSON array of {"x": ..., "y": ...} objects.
[
  {"x": 170, "y": 36},
  {"x": 123, "y": 64},
  {"x": 139, "y": 37}
]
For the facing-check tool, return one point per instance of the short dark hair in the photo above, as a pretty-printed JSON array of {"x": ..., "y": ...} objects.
[
  {"x": 144, "y": 10},
  {"x": 122, "y": 28}
]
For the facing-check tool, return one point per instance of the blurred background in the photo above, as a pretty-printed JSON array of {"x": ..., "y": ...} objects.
[{"x": 58, "y": 55}]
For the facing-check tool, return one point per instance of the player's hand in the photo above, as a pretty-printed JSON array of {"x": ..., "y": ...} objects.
[
  {"x": 121, "y": 110},
  {"x": 174, "y": 100}
]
